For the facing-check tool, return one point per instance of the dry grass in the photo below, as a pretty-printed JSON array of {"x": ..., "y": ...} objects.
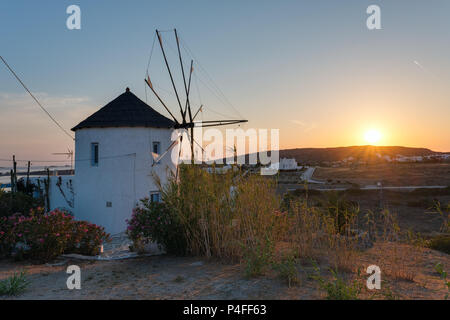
[
  {"x": 225, "y": 215},
  {"x": 235, "y": 218}
]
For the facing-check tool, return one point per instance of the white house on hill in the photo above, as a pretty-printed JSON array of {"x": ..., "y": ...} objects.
[
  {"x": 113, "y": 160},
  {"x": 288, "y": 164}
]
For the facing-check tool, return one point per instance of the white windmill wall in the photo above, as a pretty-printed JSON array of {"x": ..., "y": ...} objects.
[{"x": 123, "y": 175}]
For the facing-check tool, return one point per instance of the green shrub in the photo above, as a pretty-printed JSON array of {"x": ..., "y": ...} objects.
[
  {"x": 14, "y": 285},
  {"x": 444, "y": 212},
  {"x": 258, "y": 257},
  {"x": 443, "y": 274},
  {"x": 339, "y": 210},
  {"x": 287, "y": 269},
  {"x": 153, "y": 221},
  {"x": 337, "y": 288},
  {"x": 440, "y": 243},
  {"x": 18, "y": 202}
]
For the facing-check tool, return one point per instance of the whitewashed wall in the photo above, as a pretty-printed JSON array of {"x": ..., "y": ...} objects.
[
  {"x": 123, "y": 175},
  {"x": 61, "y": 191}
]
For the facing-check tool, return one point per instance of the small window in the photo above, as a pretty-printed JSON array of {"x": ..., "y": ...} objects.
[
  {"x": 155, "y": 197},
  {"x": 94, "y": 154},
  {"x": 156, "y": 150},
  {"x": 156, "y": 147}
]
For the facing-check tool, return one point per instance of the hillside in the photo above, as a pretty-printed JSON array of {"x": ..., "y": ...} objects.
[
  {"x": 365, "y": 153},
  {"x": 368, "y": 154}
]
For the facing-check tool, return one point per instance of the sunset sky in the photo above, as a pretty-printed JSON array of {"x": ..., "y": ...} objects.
[{"x": 309, "y": 68}]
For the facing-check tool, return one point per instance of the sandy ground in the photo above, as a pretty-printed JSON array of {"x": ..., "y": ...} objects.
[
  {"x": 166, "y": 277},
  {"x": 157, "y": 277}
]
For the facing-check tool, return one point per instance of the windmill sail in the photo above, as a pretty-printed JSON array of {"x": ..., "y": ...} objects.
[{"x": 187, "y": 124}]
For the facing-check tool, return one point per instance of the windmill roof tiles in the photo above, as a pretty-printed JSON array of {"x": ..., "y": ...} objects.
[{"x": 126, "y": 110}]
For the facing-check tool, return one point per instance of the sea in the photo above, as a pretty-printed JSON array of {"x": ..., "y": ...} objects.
[{"x": 5, "y": 178}]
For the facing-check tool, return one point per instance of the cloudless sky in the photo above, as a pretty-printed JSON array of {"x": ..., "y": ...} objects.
[{"x": 310, "y": 68}]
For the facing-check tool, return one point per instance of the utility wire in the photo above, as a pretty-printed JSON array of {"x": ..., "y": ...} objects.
[
  {"x": 186, "y": 47},
  {"x": 196, "y": 78},
  {"x": 215, "y": 90},
  {"x": 151, "y": 54},
  {"x": 37, "y": 101}
]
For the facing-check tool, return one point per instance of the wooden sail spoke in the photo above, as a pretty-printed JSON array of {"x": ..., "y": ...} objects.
[{"x": 188, "y": 125}]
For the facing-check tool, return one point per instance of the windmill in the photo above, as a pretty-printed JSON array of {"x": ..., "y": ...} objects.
[
  {"x": 69, "y": 155},
  {"x": 187, "y": 120}
]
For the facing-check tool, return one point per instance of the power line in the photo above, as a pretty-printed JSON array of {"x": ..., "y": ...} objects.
[
  {"x": 37, "y": 101},
  {"x": 148, "y": 65},
  {"x": 214, "y": 88},
  {"x": 186, "y": 47}
]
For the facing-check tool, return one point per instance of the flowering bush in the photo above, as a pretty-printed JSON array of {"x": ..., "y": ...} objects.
[
  {"x": 87, "y": 238},
  {"x": 152, "y": 221},
  {"x": 46, "y": 236}
]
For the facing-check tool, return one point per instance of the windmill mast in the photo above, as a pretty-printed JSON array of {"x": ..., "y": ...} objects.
[
  {"x": 170, "y": 73},
  {"x": 187, "y": 124},
  {"x": 187, "y": 89}
]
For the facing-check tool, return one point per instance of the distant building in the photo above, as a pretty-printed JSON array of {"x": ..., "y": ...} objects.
[
  {"x": 401, "y": 158},
  {"x": 288, "y": 164}
]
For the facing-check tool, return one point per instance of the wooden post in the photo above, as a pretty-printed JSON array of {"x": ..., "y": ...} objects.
[
  {"x": 27, "y": 187},
  {"x": 11, "y": 196},
  {"x": 15, "y": 173},
  {"x": 12, "y": 181},
  {"x": 47, "y": 190}
]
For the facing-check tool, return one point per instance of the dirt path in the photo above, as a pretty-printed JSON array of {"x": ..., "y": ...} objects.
[
  {"x": 158, "y": 277},
  {"x": 166, "y": 277}
]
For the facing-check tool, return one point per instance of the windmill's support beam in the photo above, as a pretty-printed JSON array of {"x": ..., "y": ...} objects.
[
  {"x": 184, "y": 78},
  {"x": 210, "y": 123},
  {"x": 188, "y": 104},
  {"x": 168, "y": 69},
  {"x": 162, "y": 102},
  {"x": 195, "y": 115},
  {"x": 214, "y": 123}
]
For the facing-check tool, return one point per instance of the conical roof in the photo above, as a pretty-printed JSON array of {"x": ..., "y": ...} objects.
[{"x": 126, "y": 110}]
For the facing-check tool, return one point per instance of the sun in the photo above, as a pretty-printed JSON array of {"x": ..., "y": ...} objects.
[{"x": 372, "y": 136}]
